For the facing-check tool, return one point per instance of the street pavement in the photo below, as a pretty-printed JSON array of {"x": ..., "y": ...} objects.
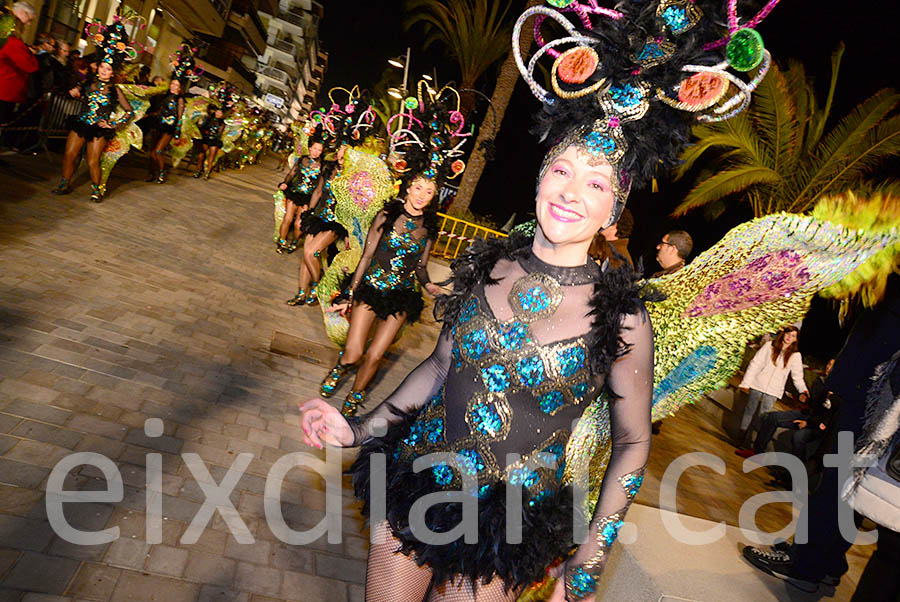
[{"x": 161, "y": 302}]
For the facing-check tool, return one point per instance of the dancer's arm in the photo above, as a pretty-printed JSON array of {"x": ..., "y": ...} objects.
[
  {"x": 181, "y": 104},
  {"x": 372, "y": 238},
  {"x": 123, "y": 102},
  {"x": 631, "y": 379},
  {"x": 422, "y": 270}
]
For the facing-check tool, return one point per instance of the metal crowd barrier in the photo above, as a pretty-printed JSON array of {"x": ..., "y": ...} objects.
[
  {"x": 59, "y": 107},
  {"x": 456, "y": 235}
]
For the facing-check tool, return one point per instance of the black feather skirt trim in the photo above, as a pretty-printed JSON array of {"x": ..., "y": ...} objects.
[
  {"x": 547, "y": 533},
  {"x": 210, "y": 142},
  {"x": 313, "y": 224},
  {"x": 87, "y": 131},
  {"x": 166, "y": 128},
  {"x": 297, "y": 198},
  {"x": 391, "y": 302}
]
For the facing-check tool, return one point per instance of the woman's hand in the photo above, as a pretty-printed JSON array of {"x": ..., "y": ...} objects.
[
  {"x": 342, "y": 307},
  {"x": 75, "y": 92},
  {"x": 282, "y": 186},
  {"x": 323, "y": 423},
  {"x": 104, "y": 124},
  {"x": 434, "y": 290}
]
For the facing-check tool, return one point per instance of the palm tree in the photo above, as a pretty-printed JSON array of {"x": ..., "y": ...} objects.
[
  {"x": 475, "y": 32},
  {"x": 778, "y": 156},
  {"x": 506, "y": 83}
]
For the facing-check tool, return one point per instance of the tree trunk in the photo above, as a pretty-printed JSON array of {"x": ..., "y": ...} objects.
[{"x": 506, "y": 82}]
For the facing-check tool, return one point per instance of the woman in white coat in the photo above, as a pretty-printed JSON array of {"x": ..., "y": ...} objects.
[{"x": 767, "y": 374}]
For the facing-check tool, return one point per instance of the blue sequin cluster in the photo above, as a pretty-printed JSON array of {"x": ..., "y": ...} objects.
[
  {"x": 305, "y": 179},
  {"x": 534, "y": 300},
  {"x": 581, "y": 583}
]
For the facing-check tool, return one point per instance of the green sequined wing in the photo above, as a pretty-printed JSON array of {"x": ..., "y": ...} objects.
[
  {"x": 128, "y": 134},
  {"x": 194, "y": 110},
  {"x": 360, "y": 192},
  {"x": 760, "y": 277}
]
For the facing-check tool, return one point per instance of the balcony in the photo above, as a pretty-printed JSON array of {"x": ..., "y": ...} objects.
[
  {"x": 200, "y": 16},
  {"x": 293, "y": 18},
  {"x": 251, "y": 29},
  {"x": 284, "y": 46},
  {"x": 275, "y": 73}
]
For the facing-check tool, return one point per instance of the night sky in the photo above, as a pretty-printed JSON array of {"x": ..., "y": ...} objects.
[{"x": 361, "y": 36}]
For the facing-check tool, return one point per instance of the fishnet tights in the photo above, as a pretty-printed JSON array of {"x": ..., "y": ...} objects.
[{"x": 395, "y": 577}]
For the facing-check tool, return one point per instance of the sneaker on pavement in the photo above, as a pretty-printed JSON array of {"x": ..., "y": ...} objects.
[{"x": 776, "y": 561}]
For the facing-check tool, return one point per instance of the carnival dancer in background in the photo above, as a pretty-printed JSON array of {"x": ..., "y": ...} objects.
[
  {"x": 298, "y": 187},
  {"x": 211, "y": 128},
  {"x": 95, "y": 125},
  {"x": 397, "y": 247},
  {"x": 354, "y": 122},
  {"x": 168, "y": 120}
]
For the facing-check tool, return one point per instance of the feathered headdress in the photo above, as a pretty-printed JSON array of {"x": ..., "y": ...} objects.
[
  {"x": 111, "y": 41},
  {"x": 430, "y": 139},
  {"x": 225, "y": 94},
  {"x": 622, "y": 82},
  {"x": 184, "y": 67},
  {"x": 347, "y": 121}
]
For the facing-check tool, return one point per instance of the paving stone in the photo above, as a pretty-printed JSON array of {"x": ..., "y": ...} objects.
[
  {"x": 20, "y": 474},
  {"x": 36, "y": 453},
  {"x": 6, "y": 443},
  {"x": 97, "y": 426},
  {"x": 39, "y": 431},
  {"x": 7, "y": 422},
  {"x": 40, "y": 573},
  {"x": 163, "y": 443},
  {"x": 209, "y": 568},
  {"x": 257, "y": 579},
  {"x": 257, "y": 552},
  {"x": 8, "y": 557},
  {"x": 337, "y": 567},
  {"x": 210, "y": 593},
  {"x": 37, "y": 411},
  {"x": 128, "y": 553},
  {"x": 292, "y": 558},
  {"x": 32, "y": 597},
  {"x": 300, "y": 586},
  {"x": 94, "y": 582},
  {"x": 15, "y": 388},
  {"x": 167, "y": 561},
  {"x": 141, "y": 587}
]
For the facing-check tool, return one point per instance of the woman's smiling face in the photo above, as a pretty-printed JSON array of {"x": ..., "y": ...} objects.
[{"x": 575, "y": 199}]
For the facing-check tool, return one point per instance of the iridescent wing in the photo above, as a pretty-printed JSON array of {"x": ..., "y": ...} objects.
[
  {"x": 128, "y": 134},
  {"x": 194, "y": 111}
]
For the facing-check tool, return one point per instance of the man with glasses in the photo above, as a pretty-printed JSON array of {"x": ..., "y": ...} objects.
[{"x": 672, "y": 251}]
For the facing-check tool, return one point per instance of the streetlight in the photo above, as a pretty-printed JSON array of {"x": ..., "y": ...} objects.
[
  {"x": 395, "y": 93},
  {"x": 426, "y": 77},
  {"x": 402, "y": 63}
]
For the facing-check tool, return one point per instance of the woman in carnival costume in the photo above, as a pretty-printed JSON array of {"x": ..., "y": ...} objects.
[
  {"x": 320, "y": 224},
  {"x": 167, "y": 121},
  {"x": 537, "y": 336},
  {"x": 95, "y": 126},
  {"x": 300, "y": 183},
  {"x": 212, "y": 127},
  {"x": 399, "y": 242}
]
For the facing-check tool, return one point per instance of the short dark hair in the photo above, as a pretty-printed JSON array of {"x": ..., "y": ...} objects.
[
  {"x": 682, "y": 242},
  {"x": 625, "y": 225},
  {"x": 46, "y": 38}
]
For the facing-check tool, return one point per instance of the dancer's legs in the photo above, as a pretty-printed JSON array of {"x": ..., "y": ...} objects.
[
  {"x": 385, "y": 333},
  {"x": 312, "y": 250},
  {"x": 95, "y": 148},
  {"x": 161, "y": 145},
  {"x": 361, "y": 319},
  {"x": 74, "y": 142},
  {"x": 390, "y": 575},
  {"x": 289, "y": 213}
]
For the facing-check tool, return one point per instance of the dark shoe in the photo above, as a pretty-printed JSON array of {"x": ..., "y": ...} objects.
[
  {"x": 744, "y": 453},
  {"x": 150, "y": 177},
  {"x": 206, "y": 175},
  {"x": 312, "y": 299},
  {"x": 161, "y": 178},
  {"x": 298, "y": 299},
  {"x": 776, "y": 561},
  {"x": 198, "y": 174},
  {"x": 62, "y": 188},
  {"x": 656, "y": 427},
  {"x": 352, "y": 403},
  {"x": 331, "y": 382},
  {"x": 97, "y": 193}
]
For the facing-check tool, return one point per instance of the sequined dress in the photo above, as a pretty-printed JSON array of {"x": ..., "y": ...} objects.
[
  {"x": 517, "y": 363},
  {"x": 302, "y": 181},
  {"x": 394, "y": 257},
  {"x": 211, "y": 129},
  {"x": 100, "y": 101},
  {"x": 321, "y": 218},
  {"x": 168, "y": 120}
]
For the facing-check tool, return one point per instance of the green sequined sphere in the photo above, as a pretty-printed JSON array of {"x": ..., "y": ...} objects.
[
  {"x": 560, "y": 3},
  {"x": 745, "y": 49},
  {"x": 411, "y": 103}
]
